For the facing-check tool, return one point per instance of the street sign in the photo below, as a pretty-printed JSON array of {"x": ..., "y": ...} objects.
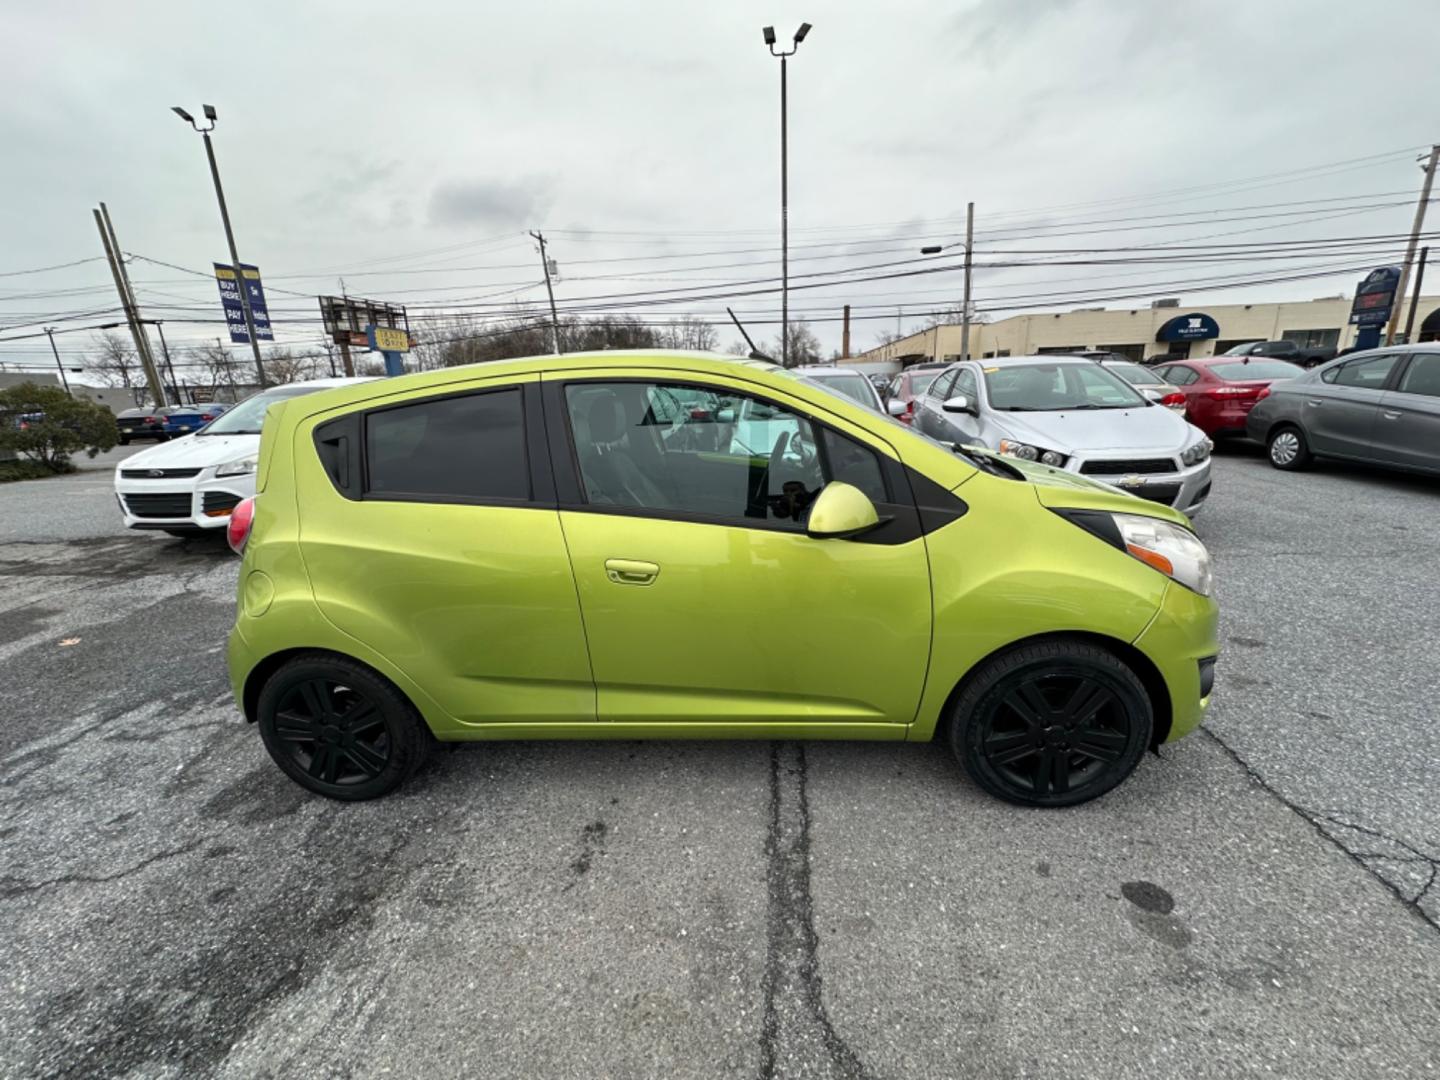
[
  {"x": 1375, "y": 297},
  {"x": 235, "y": 311},
  {"x": 388, "y": 339}
]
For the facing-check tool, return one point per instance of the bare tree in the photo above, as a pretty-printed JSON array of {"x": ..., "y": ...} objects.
[
  {"x": 804, "y": 345},
  {"x": 689, "y": 333},
  {"x": 215, "y": 368},
  {"x": 284, "y": 366},
  {"x": 114, "y": 360}
]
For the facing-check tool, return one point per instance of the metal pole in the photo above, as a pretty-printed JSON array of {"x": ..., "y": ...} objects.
[
  {"x": 112, "y": 255},
  {"x": 235, "y": 259},
  {"x": 965, "y": 311},
  {"x": 164, "y": 348},
  {"x": 50, "y": 333},
  {"x": 1415, "y": 298},
  {"x": 554, "y": 315},
  {"x": 1414, "y": 241},
  {"x": 784, "y": 220}
]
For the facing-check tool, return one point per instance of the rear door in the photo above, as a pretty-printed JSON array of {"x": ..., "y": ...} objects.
[
  {"x": 1340, "y": 409},
  {"x": 1407, "y": 431},
  {"x": 431, "y": 535}
]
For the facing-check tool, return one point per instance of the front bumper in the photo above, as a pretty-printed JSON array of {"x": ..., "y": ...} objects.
[
  {"x": 1179, "y": 639},
  {"x": 202, "y": 502}
]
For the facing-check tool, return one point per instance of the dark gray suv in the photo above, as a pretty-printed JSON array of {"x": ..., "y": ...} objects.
[{"x": 1380, "y": 407}]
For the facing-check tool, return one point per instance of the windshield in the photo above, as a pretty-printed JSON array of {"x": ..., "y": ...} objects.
[
  {"x": 852, "y": 384},
  {"x": 1134, "y": 374},
  {"x": 245, "y": 418},
  {"x": 1241, "y": 349},
  {"x": 1057, "y": 387},
  {"x": 1257, "y": 369}
]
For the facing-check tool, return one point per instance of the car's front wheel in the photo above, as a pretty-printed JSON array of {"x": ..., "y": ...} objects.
[
  {"x": 1051, "y": 724},
  {"x": 339, "y": 729},
  {"x": 1288, "y": 449}
]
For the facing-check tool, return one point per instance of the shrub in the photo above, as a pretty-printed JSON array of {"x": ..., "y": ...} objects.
[{"x": 47, "y": 425}]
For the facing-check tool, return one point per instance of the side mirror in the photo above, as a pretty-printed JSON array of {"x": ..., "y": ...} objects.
[
  {"x": 841, "y": 511},
  {"x": 895, "y": 407},
  {"x": 958, "y": 403}
]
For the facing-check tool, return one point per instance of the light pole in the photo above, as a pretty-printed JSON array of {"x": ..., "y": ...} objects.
[
  {"x": 769, "y": 33},
  {"x": 935, "y": 249},
  {"x": 50, "y": 333},
  {"x": 229, "y": 233}
]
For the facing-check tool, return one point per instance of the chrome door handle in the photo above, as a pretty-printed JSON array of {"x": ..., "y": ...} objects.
[
  {"x": 1388, "y": 415},
  {"x": 1314, "y": 401},
  {"x": 631, "y": 571}
]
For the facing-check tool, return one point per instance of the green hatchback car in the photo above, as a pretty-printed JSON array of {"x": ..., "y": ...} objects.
[{"x": 680, "y": 545}]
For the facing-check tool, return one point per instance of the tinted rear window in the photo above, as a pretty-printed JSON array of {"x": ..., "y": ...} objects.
[
  {"x": 456, "y": 448},
  {"x": 1256, "y": 369}
]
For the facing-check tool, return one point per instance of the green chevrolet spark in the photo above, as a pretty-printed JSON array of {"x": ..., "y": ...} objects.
[{"x": 680, "y": 545}]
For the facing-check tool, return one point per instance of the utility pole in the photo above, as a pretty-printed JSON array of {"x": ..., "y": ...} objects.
[
  {"x": 1429, "y": 168},
  {"x": 969, "y": 253},
  {"x": 845, "y": 336},
  {"x": 549, "y": 288},
  {"x": 165, "y": 349},
  {"x": 229, "y": 233},
  {"x": 345, "y": 345},
  {"x": 50, "y": 333},
  {"x": 132, "y": 317},
  {"x": 1415, "y": 297}
]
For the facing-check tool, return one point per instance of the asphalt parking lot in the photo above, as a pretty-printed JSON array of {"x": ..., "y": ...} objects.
[{"x": 1259, "y": 899}]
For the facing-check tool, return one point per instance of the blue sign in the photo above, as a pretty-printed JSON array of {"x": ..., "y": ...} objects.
[
  {"x": 235, "y": 311},
  {"x": 1197, "y": 326},
  {"x": 1375, "y": 297}
]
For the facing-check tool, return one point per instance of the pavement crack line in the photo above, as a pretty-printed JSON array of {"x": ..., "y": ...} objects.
[
  {"x": 797, "y": 1036},
  {"x": 12, "y": 887},
  {"x": 1318, "y": 822}
]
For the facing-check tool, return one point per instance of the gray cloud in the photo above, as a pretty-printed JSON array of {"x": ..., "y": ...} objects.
[{"x": 492, "y": 203}]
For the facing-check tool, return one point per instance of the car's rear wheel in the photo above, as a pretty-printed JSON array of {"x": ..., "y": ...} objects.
[
  {"x": 1288, "y": 449},
  {"x": 340, "y": 730},
  {"x": 1051, "y": 724}
]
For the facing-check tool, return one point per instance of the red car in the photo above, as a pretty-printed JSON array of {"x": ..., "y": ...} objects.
[
  {"x": 909, "y": 385},
  {"x": 1220, "y": 391}
]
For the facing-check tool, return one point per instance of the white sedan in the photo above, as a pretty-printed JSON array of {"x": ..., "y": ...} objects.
[{"x": 192, "y": 483}]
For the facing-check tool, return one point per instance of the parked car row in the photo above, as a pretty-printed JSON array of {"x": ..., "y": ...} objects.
[{"x": 166, "y": 422}]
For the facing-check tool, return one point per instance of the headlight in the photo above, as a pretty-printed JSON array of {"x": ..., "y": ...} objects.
[
  {"x": 1175, "y": 552},
  {"x": 1026, "y": 452},
  {"x": 239, "y": 467},
  {"x": 1194, "y": 455}
]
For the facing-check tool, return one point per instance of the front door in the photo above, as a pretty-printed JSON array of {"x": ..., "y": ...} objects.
[
  {"x": 703, "y": 598},
  {"x": 1407, "y": 430},
  {"x": 1339, "y": 410}
]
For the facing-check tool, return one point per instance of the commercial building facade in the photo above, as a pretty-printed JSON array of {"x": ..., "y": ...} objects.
[{"x": 1166, "y": 329}]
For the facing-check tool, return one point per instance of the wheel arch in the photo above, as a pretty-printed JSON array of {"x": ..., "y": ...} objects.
[
  {"x": 260, "y": 674},
  {"x": 1143, "y": 667}
]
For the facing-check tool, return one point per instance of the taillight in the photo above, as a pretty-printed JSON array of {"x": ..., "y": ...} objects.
[
  {"x": 1263, "y": 394},
  {"x": 1177, "y": 398},
  {"x": 908, "y": 416},
  {"x": 238, "y": 530},
  {"x": 206, "y": 416},
  {"x": 148, "y": 420}
]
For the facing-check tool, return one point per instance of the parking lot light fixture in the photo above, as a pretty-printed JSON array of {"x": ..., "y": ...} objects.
[{"x": 784, "y": 55}]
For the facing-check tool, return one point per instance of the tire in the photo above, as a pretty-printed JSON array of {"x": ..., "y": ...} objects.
[
  {"x": 339, "y": 729},
  {"x": 1052, "y": 724},
  {"x": 1288, "y": 449},
  {"x": 125, "y": 441}
]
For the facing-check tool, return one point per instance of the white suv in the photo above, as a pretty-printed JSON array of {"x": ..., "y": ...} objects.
[{"x": 192, "y": 483}]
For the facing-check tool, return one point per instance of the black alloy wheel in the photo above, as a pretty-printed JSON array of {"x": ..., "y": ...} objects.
[
  {"x": 338, "y": 729},
  {"x": 1052, "y": 724}
]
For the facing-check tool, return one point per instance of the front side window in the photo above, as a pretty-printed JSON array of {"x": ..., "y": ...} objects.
[
  {"x": 966, "y": 385},
  {"x": 727, "y": 457},
  {"x": 465, "y": 448},
  {"x": 940, "y": 388},
  {"x": 1422, "y": 376},
  {"x": 1370, "y": 372}
]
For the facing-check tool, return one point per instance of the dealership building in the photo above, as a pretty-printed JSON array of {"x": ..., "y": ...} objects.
[{"x": 1163, "y": 329}]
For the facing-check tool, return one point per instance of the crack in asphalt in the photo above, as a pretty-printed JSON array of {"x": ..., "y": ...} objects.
[
  {"x": 13, "y": 887},
  {"x": 797, "y": 1037},
  {"x": 1318, "y": 822}
]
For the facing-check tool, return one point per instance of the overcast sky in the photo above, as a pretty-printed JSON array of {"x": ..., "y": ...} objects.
[{"x": 408, "y": 147}]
